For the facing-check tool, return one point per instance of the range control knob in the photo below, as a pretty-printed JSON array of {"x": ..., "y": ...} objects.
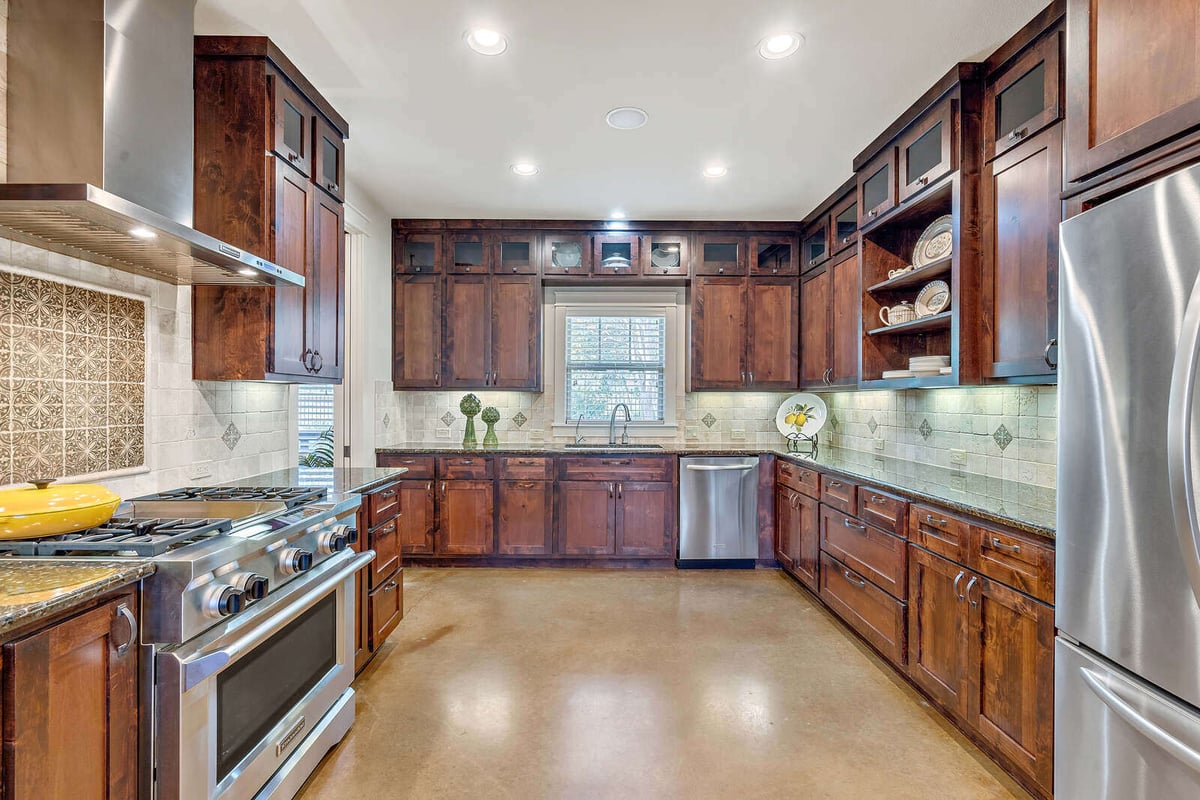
[
  {"x": 254, "y": 585},
  {"x": 223, "y": 601},
  {"x": 294, "y": 560},
  {"x": 333, "y": 540},
  {"x": 351, "y": 533}
]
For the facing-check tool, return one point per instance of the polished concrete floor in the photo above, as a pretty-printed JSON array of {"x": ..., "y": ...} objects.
[{"x": 637, "y": 684}]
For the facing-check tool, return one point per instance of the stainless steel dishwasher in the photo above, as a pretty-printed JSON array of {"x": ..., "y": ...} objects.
[{"x": 718, "y": 511}]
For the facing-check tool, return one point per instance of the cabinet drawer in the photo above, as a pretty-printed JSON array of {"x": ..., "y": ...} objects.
[
  {"x": 419, "y": 467},
  {"x": 615, "y": 468},
  {"x": 464, "y": 468},
  {"x": 883, "y": 510},
  {"x": 878, "y": 556},
  {"x": 877, "y": 616},
  {"x": 938, "y": 532},
  {"x": 1017, "y": 561},
  {"x": 385, "y": 608},
  {"x": 839, "y": 493},
  {"x": 382, "y": 504},
  {"x": 385, "y": 541},
  {"x": 526, "y": 468},
  {"x": 802, "y": 479}
]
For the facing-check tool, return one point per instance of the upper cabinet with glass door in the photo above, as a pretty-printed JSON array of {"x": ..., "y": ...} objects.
[
  {"x": 1025, "y": 97},
  {"x": 665, "y": 254},
  {"x": 774, "y": 255},
  {"x": 877, "y": 187},
  {"x": 468, "y": 254},
  {"x": 330, "y": 171},
  {"x": 718, "y": 254},
  {"x": 616, "y": 254},
  {"x": 567, "y": 254},
  {"x": 843, "y": 223},
  {"x": 515, "y": 253},
  {"x": 417, "y": 253},
  {"x": 295, "y": 120},
  {"x": 814, "y": 248},
  {"x": 926, "y": 151}
]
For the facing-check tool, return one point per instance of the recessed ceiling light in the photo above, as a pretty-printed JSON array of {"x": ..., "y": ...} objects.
[
  {"x": 248, "y": 272},
  {"x": 780, "y": 45},
  {"x": 715, "y": 171},
  {"x": 486, "y": 41},
  {"x": 142, "y": 233},
  {"x": 524, "y": 169},
  {"x": 617, "y": 215},
  {"x": 626, "y": 118}
]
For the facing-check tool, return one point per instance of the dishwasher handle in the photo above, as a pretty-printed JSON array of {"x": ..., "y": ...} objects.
[{"x": 720, "y": 468}]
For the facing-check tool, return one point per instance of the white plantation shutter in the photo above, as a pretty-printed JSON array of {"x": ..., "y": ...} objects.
[
  {"x": 316, "y": 415},
  {"x": 616, "y": 358}
]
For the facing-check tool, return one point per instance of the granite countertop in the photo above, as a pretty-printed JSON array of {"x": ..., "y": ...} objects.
[
  {"x": 336, "y": 481},
  {"x": 1004, "y": 502},
  {"x": 33, "y": 589}
]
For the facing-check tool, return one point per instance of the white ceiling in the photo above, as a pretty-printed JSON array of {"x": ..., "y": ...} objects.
[{"x": 434, "y": 126}]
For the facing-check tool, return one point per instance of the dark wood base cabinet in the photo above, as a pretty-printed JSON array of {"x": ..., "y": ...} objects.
[{"x": 379, "y": 586}]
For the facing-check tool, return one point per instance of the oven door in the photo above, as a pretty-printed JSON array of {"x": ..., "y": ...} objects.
[{"x": 234, "y": 703}]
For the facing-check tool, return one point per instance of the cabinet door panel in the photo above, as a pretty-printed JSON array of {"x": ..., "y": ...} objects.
[
  {"x": 1020, "y": 285},
  {"x": 385, "y": 609},
  {"x": 614, "y": 254},
  {"x": 586, "y": 518},
  {"x": 814, "y": 250},
  {"x": 786, "y": 526},
  {"x": 815, "y": 317},
  {"x": 774, "y": 255},
  {"x": 843, "y": 223},
  {"x": 927, "y": 150},
  {"x": 416, "y": 520},
  {"x": 71, "y": 703},
  {"x": 806, "y": 554},
  {"x": 416, "y": 331},
  {"x": 293, "y": 250},
  {"x": 327, "y": 298},
  {"x": 465, "y": 518},
  {"x": 469, "y": 253},
  {"x": 1012, "y": 676},
  {"x": 328, "y": 149},
  {"x": 773, "y": 349},
  {"x": 720, "y": 255},
  {"x": 877, "y": 187},
  {"x": 516, "y": 333},
  {"x": 645, "y": 519},
  {"x": 1025, "y": 98},
  {"x": 468, "y": 332},
  {"x": 385, "y": 541},
  {"x": 847, "y": 304},
  {"x": 294, "y": 117},
  {"x": 525, "y": 521},
  {"x": 417, "y": 253},
  {"x": 937, "y": 629},
  {"x": 875, "y": 614},
  {"x": 718, "y": 333},
  {"x": 1133, "y": 79}
]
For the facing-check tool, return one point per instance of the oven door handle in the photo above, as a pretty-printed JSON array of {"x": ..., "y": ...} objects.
[{"x": 212, "y": 657}]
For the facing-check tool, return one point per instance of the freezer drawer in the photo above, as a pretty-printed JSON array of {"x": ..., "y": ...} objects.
[{"x": 1117, "y": 737}]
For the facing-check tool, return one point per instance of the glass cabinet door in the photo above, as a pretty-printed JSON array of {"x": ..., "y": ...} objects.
[
  {"x": 720, "y": 255},
  {"x": 877, "y": 187},
  {"x": 843, "y": 223},
  {"x": 815, "y": 247},
  {"x": 330, "y": 171},
  {"x": 293, "y": 125},
  {"x": 665, "y": 254},
  {"x": 1024, "y": 98},
  {"x": 417, "y": 253},
  {"x": 567, "y": 254},
  {"x": 774, "y": 255},
  {"x": 468, "y": 254},
  {"x": 616, "y": 254},
  {"x": 515, "y": 254},
  {"x": 925, "y": 152}
]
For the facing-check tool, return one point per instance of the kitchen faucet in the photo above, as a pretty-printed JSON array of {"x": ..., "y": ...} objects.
[
  {"x": 612, "y": 425},
  {"x": 578, "y": 422}
]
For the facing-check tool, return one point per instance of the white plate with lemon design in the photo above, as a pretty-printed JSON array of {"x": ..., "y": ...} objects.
[{"x": 801, "y": 413}]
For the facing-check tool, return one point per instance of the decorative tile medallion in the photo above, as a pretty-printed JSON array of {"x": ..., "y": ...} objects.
[
  {"x": 872, "y": 424},
  {"x": 834, "y": 421},
  {"x": 926, "y": 429},
  {"x": 709, "y": 420},
  {"x": 447, "y": 419},
  {"x": 1003, "y": 437},
  {"x": 72, "y": 379},
  {"x": 520, "y": 419},
  {"x": 231, "y": 436},
  {"x": 387, "y": 420}
]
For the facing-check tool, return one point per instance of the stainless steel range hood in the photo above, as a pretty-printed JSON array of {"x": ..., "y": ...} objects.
[{"x": 100, "y": 141}]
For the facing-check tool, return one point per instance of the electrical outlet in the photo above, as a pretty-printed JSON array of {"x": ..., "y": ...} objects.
[
  {"x": 693, "y": 432},
  {"x": 878, "y": 444},
  {"x": 443, "y": 433},
  {"x": 190, "y": 433},
  {"x": 958, "y": 457},
  {"x": 738, "y": 434},
  {"x": 199, "y": 470}
]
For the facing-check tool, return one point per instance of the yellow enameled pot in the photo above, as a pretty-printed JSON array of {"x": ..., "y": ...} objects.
[{"x": 46, "y": 510}]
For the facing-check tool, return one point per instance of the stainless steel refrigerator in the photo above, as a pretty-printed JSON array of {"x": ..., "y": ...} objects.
[{"x": 1127, "y": 658}]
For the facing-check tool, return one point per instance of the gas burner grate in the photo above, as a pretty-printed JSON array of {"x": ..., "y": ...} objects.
[
  {"x": 123, "y": 536},
  {"x": 292, "y": 496}
]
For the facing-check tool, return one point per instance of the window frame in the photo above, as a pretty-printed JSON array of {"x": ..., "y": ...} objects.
[{"x": 669, "y": 302}]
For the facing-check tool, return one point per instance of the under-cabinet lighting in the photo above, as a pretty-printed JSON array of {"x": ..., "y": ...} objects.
[{"x": 142, "y": 233}]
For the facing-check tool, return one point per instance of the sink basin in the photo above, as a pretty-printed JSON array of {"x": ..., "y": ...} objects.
[{"x": 606, "y": 446}]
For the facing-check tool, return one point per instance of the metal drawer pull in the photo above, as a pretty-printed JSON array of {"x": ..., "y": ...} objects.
[
  {"x": 999, "y": 545},
  {"x": 1046, "y": 354},
  {"x": 957, "y": 580},
  {"x": 720, "y": 468},
  {"x": 856, "y": 581},
  {"x": 390, "y": 586},
  {"x": 610, "y": 490},
  {"x": 835, "y": 484},
  {"x": 1017, "y": 134},
  {"x": 527, "y": 463},
  {"x": 934, "y": 521},
  {"x": 620, "y": 491},
  {"x": 621, "y": 463},
  {"x": 389, "y": 494},
  {"x": 529, "y": 485},
  {"x": 466, "y": 462},
  {"x": 853, "y": 526},
  {"x": 124, "y": 612},
  {"x": 876, "y": 499},
  {"x": 970, "y": 585}
]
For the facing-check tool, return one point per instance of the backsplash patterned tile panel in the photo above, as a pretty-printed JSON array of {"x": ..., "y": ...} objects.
[{"x": 73, "y": 373}]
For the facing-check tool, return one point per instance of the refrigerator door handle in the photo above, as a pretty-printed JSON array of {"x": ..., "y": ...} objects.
[
  {"x": 1110, "y": 691},
  {"x": 1179, "y": 438}
]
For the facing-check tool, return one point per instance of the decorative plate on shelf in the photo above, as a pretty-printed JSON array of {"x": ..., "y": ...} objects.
[
  {"x": 665, "y": 257},
  {"x": 933, "y": 299},
  {"x": 801, "y": 413},
  {"x": 567, "y": 255},
  {"x": 936, "y": 242}
]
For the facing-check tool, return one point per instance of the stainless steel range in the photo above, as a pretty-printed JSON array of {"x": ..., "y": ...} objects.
[{"x": 247, "y": 630}]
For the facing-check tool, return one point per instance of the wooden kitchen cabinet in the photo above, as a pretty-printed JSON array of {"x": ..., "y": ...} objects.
[
  {"x": 616, "y": 254},
  {"x": 586, "y": 518},
  {"x": 814, "y": 248},
  {"x": 787, "y": 527},
  {"x": 417, "y": 521},
  {"x": 467, "y": 344},
  {"x": 1132, "y": 84},
  {"x": 844, "y": 330},
  {"x": 719, "y": 254},
  {"x": 829, "y": 328},
  {"x": 465, "y": 518},
  {"x": 525, "y": 518},
  {"x": 772, "y": 333},
  {"x": 1025, "y": 97},
  {"x": 468, "y": 253},
  {"x": 926, "y": 150},
  {"x": 379, "y": 586},
  {"x": 516, "y": 253},
  {"x": 417, "y": 331},
  {"x": 843, "y": 223},
  {"x": 417, "y": 253},
  {"x": 797, "y": 535},
  {"x": 385, "y": 609},
  {"x": 516, "y": 352},
  {"x": 937, "y": 629},
  {"x": 70, "y": 708},
  {"x": 815, "y": 314},
  {"x": 1019, "y": 289},
  {"x": 745, "y": 334},
  {"x": 645, "y": 514},
  {"x": 251, "y": 102},
  {"x": 774, "y": 256},
  {"x": 877, "y": 187}
]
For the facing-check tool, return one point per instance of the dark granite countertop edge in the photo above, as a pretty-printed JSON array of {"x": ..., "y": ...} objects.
[
  {"x": 16, "y": 619},
  {"x": 915, "y": 495}
]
